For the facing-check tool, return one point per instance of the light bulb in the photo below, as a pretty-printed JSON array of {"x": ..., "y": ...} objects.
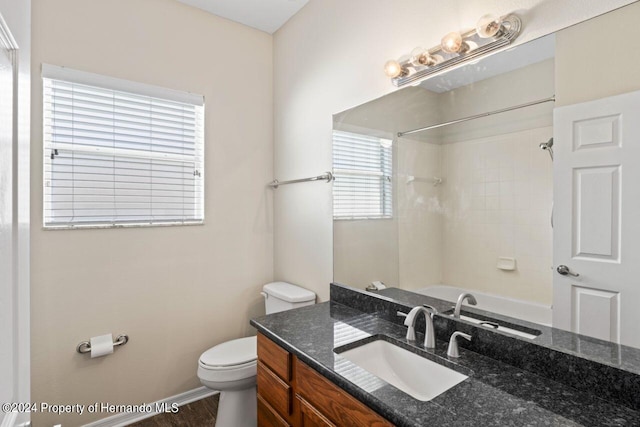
[
  {"x": 488, "y": 26},
  {"x": 392, "y": 68},
  {"x": 420, "y": 58},
  {"x": 452, "y": 42}
]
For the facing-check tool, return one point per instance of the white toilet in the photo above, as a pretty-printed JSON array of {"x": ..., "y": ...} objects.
[{"x": 231, "y": 367}]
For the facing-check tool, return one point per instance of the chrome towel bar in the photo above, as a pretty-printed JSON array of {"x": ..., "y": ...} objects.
[
  {"x": 327, "y": 176},
  {"x": 85, "y": 346}
]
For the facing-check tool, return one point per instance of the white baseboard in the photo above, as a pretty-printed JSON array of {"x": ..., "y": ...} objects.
[{"x": 122, "y": 420}]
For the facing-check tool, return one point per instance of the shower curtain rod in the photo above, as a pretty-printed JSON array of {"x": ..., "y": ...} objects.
[{"x": 478, "y": 116}]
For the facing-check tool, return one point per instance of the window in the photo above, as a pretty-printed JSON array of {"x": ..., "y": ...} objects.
[
  {"x": 362, "y": 170},
  {"x": 120, "y": 153}
]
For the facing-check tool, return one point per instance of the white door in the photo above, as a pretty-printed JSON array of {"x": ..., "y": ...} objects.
[
  {"x": 14, "y": 313},
  {"x": 597, "y": 218},
  {"x": 7, "y": 324}
]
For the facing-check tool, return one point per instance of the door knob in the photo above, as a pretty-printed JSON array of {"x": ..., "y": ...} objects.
[{"x": 566, "y": 271}]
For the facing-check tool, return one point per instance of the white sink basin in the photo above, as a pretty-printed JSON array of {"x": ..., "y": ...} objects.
[{"x": 415, "y": 375}]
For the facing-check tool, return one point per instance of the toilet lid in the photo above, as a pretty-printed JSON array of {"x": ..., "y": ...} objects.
[
  {"x": 288, "y": 292},
  {"x": 230, "y": 353}
]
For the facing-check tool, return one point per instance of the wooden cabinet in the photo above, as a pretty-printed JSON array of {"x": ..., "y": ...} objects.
[
  {"x": 310, "y": 416},
  {"x": 275, "y": 392},
  {"x": 275, "y": 357},
  {"x": 336, "y": 404},
  {"x": 267, "y": 416},
  {"x": 290, "y": 393},
  {"x": 276, "y": 406}
]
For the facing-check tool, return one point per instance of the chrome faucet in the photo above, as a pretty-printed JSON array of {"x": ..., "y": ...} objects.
[
  {"x": 453, "y": 351},
  {"x": 461, "y": 298},
  {"x": 410, "y": 321}
]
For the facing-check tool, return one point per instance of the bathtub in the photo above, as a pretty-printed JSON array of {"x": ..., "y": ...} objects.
[{"x": 525, "y": 310}]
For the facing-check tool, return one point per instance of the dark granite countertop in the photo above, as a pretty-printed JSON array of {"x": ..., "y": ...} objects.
[
  {"x": 495, "y": 394},
  {"x": 609, "y": 370},
  {"x": 604, "y": 352}
]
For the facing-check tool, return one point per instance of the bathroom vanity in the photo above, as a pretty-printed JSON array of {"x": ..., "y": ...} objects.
[
  {"x": 292, "y": 393},
  {"x": 456, "y": 182},
  {"x": 306, "y": 376}
]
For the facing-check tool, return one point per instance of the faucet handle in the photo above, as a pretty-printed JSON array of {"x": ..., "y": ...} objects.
[{"x": 453, "y": 351}]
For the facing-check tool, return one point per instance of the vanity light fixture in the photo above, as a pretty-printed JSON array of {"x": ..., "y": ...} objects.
[
  {"x": 491, "y": 33},
  {"x": 488, "y": 26},
  {"x": 453, "y": 43},
  {"x": 393, "y": 69},
  {"x": 420, "y": 57}
]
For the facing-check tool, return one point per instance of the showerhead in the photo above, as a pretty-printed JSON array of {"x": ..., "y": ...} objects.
[{"x": 548, "y": 147}]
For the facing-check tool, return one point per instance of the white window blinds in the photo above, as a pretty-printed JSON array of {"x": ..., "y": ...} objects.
[
  {"x": 114, "y": 157},
  {"x": 362, "y": 170}
]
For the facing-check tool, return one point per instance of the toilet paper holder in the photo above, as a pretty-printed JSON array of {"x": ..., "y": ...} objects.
[{"x": 85, "y": 346}]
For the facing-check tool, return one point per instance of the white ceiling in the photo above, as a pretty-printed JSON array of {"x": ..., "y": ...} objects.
[{"x": 265, "y": 15}]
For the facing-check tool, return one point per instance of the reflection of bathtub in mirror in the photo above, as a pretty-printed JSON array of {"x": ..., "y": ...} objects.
[{"x": 525, "y": 310}]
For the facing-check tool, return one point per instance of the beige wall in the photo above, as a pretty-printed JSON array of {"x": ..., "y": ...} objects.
[
  {"x": 175, "y": 290},
  {"x": 585, "y": 55},
  {"x": 328, "y": 58},
  {"x": 366, "y": 250},
  {"x": 530, "y": 83}
]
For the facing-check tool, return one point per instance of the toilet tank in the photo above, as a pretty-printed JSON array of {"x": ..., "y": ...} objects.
[{"x": 281, "y": 296}]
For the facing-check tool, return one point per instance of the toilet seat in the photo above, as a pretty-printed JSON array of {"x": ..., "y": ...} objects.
[
  {"x": 231, "y": 353},
  {"x": 230, "y": 361},
  {"x": 230, "y": 373}
]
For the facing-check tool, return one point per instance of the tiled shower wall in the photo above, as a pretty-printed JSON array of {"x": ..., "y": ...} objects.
[
  {"x": 494, "y": 201},
  {"x": 497, "y": 200}
]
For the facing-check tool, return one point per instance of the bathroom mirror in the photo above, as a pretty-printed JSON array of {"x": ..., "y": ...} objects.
[{"x": 466, "y": 202}]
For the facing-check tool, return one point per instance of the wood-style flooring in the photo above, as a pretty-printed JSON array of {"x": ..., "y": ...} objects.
[{"x": 201, "y": 413}]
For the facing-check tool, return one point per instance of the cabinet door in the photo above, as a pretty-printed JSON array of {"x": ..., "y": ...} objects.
[
  {"x": 334, "y": 403},
  {"x": 275, "y": 391},
  {"x": 275, "y": 357},
  {"x": 267, "y": 416},
  {"x": 310, "y": 416}
]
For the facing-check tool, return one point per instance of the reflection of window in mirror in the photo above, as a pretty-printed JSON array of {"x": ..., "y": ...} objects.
[{"x": 362, "y": 170}]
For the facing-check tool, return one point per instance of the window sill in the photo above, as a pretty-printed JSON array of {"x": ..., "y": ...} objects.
[{"x": 112, "y": 226}]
